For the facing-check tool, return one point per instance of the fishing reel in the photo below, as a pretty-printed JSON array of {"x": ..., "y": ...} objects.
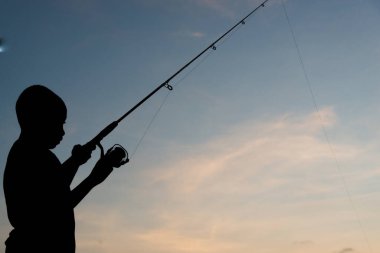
[{"x": 116, "y": 155}]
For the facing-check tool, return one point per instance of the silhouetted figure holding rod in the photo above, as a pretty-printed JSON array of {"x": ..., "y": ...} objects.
[{"x": 40, "y": 202}]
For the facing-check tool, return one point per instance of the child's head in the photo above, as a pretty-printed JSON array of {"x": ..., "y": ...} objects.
[{"x": 41, "y": 114}]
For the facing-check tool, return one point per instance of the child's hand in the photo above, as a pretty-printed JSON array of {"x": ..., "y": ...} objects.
[
  {"x": 81, "y": 154},
  {"x": 114, "y": 158},
  {"x": 101, "y": 170}
]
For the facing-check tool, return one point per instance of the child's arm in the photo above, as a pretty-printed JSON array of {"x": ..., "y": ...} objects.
[
  {"x": 98, "y": 174},
  {"x": 70, "y": 167}
]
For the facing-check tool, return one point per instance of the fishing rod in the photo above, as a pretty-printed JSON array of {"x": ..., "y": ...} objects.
[{"x": 91, "y": 145}]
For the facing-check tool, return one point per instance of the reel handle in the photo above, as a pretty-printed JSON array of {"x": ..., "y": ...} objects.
[{"x": 101, "y": 149}]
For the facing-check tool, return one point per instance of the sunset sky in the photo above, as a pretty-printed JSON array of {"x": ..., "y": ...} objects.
[{"x": 267, "y": 144}]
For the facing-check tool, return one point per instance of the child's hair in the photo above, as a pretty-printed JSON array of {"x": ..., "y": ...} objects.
[{"x": 38, "y": 105}]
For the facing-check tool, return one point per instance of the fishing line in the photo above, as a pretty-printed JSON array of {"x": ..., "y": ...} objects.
[
  {"x": 202, "y": 60},
  {"x": 192, "y": 70},
  {"x": 96, "y": 141},
  {"x": 165, "y": 100},
  {"x": 150, "y": 123},
  {"x": 223, "y": 39},
  {"x": 317, "y": 109}
]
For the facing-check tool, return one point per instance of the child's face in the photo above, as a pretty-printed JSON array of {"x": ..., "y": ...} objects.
[{"x": 52, "y": 132}]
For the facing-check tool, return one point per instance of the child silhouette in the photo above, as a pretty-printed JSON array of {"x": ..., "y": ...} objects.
[{"x": 40, "y": 202}]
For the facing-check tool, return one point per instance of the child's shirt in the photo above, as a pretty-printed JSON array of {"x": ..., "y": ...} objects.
[{"x": 38, "y": 201}]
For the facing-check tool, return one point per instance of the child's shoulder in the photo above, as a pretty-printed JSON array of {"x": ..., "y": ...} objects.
[{"x": 30, "y": 154}]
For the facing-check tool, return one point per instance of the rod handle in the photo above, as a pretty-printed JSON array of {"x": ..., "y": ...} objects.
[{"x": 99, "y": 137}]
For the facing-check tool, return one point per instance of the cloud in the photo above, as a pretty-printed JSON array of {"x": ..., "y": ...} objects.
[
  {"x": 346, "y": 250},
  {"x": 255, "y": 187},
  {"x": 303, "y": 246},
  {"x": 248, "y": 151},
  {"x": 225, "y": 190},
  {"x": 305, "y": 242},
  {"x": 197, "y": 34},
  {"x": 220, "y": 6},
  {"x": 232, "y": 8},
  {"x": 191, "y": 34}
]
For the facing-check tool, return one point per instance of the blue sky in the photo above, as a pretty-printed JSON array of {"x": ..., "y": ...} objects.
[{"x": 238, "y": 158}]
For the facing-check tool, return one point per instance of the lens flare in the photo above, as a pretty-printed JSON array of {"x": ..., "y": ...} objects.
[{"x": 2, "y": 46}]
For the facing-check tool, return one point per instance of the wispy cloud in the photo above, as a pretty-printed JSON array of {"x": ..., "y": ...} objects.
[
  {"x": 212, "y": 190},
  {"x": 256, "y": 185},
  {"x": 191, "y": 34},
  {"x": 283, "y": 145},
  {"x": 347, "y": 250},
  {"x": 307, "y": 242},
  {"x": 232, "y": 8},
  {"x": 197, "y": 34},
  {"x": 220, "y": 6}
]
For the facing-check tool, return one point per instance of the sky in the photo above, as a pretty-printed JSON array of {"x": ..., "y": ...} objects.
[{"x": 268, "y": 144}]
